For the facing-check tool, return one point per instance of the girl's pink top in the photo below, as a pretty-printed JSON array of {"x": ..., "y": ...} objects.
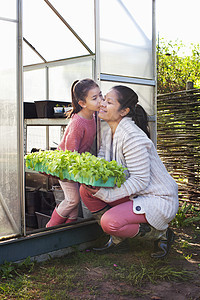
[{"x": 79, "y": 135}]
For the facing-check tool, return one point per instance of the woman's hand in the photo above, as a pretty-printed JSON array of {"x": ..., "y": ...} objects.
[{"x": 91, "y": 189}]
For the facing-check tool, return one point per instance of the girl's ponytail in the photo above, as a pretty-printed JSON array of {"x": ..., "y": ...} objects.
[{"x": 75, "y": 106}]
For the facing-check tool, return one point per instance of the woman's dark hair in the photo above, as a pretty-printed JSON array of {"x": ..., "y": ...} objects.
[
  {"x": 79, "y": 91},
  {"x": 128, "y": 98}
]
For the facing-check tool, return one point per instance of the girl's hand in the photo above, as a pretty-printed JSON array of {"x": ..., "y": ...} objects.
[{"x": 91, "y": 189}]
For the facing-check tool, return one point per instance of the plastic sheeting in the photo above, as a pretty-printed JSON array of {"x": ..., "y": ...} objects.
[{"x": 10, "y": 215}]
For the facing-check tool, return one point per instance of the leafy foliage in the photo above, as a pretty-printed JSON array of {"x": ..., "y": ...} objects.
[
  {"x": 174, "y": 68},
  {"x": 187, "y": 215},
  {"x": 10, "y": 269},
  {"x": 77, "y": 165}
]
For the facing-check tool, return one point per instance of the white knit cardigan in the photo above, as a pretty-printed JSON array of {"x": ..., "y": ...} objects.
[{"x": 148, "y": 184}]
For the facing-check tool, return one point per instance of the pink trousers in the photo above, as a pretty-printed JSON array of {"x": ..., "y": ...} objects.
[{"x": 119, "y": 219}]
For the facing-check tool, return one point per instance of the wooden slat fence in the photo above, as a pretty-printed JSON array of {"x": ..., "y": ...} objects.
[{"x": 178, "y": 126}]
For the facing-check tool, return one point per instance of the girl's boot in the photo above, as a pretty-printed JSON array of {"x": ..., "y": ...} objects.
[
  {"x": 73, "y": 216},
  {"x": 56, "y": 219}
]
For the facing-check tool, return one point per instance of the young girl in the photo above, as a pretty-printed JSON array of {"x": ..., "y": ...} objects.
[{"x": 79, "y": 136}]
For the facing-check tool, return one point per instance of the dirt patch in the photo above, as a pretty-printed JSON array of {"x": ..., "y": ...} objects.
[
  {"x": 96, "y": 287},
  {"x": 99, "y": 282}
]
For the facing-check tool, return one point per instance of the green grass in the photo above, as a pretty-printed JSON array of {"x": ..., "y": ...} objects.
[
  {"x": 137, "y": 274},
  {"x": 56, "y": 278},
  {"x": 124, "y": 272}
]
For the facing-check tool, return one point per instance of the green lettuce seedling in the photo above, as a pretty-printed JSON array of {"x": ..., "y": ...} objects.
[{"x": 76, "y": 166}]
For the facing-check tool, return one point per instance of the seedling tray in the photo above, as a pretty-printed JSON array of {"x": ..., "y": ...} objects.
[
  {"x": 83, "y": 168},
  {"x": 65, "y": 175}
]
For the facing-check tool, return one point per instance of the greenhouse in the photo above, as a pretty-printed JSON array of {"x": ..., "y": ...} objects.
[{"x": 46, "y": 46}]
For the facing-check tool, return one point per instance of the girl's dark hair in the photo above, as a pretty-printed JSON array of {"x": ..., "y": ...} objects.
[
  {"x": 128, "y": 98},
  {"x": 79, "y": 91}
]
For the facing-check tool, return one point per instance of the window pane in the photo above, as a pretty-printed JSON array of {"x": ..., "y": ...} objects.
[
  {"x": 36, "y": 137},
  {"x": 145, "y": 94},
  {"x": 8, "y": 9},
  {"x": 62, "y": 77},
  {"x": 10, "y": 216},
  {"x": 47, "y": 33},
  {"x": 126, "y": 37},
  {"x": 75, "y": 13},
  {"x": 29, "y": 56},
  {"x": 34, "y": 85}
]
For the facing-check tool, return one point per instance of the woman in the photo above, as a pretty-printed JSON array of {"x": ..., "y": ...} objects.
[{"x": 148, "y": 199}]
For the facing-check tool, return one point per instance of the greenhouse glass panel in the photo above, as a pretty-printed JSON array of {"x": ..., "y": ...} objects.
[
  {"x": 126, "y": 38},
  {"x": 62, "y": 77},
  {"x": 29, "y": 56},
  {"x": 74, "y": 12},
  {"x": 36, "y": 137},
  {"x": 8, "y": 9},
  {"x": 35, "y": 85},
  {"x": 145, "y": 94},
  {"x": 10, "y": 215},
  {"x": 47, "y": 33}
]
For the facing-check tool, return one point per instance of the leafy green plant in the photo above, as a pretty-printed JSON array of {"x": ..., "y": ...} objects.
[
  {"x": 187, "y": 215},
  {"x": 10, "y": 269},
  {"x": 75, "y": 166},
  {"x": 184, "y": 244},
  {"x": 187, "y": 257},
  {"x": 7, "y": 270},
  {"x": 26, "y": 264},
  {"x": 174, "y": 68}
]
